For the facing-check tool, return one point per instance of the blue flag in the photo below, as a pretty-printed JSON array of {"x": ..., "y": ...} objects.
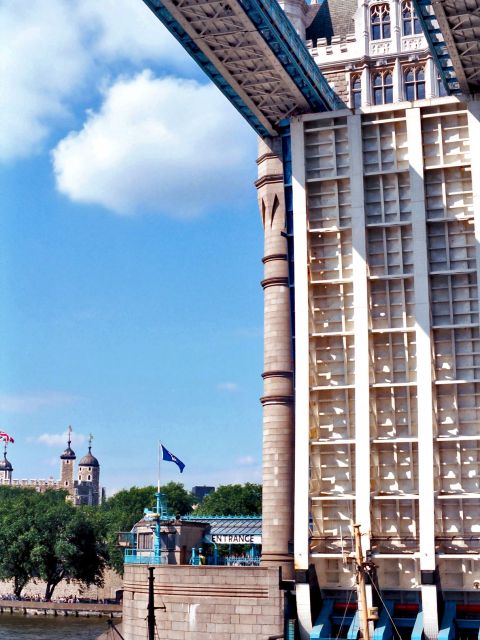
[{"x": 166, "y": 455}]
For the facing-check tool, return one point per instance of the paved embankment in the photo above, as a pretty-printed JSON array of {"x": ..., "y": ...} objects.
[{"x": 60, "y": 608}]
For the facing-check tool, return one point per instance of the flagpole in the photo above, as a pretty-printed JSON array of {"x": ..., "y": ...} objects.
[
  {"x": 159, "y": 511},
  {"x": 158, "y": 473}
]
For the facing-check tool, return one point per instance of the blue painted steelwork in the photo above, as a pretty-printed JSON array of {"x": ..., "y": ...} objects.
[
  {"x": 438, "y": 48},
  {"x": 138, "y": 556},
  {"x": 204, "y": 63},
  {"x": 417, "y": 633},
  {"x": 323, "y": 625},
  {"x": 291, "y": 52},
  {"x": 288, "y": 194},
  {"x": 447, "y": 627},
  {"x": 384, "y": 628},
  {"x": 290, "y": 630},
  {"x": 354, "y": 627},
  {"x": 280, "y": 38},
  {"x": 156, "y": 516}
]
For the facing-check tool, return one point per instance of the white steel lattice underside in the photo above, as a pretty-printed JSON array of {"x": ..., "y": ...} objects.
[
  {"x": 459, "y": 21},
  {"x": 225, "y": 34}
]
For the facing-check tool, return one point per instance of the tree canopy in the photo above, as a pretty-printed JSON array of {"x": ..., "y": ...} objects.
[
  {"x": 233, "y": 500},
  {"x": 43, "y": 536}
]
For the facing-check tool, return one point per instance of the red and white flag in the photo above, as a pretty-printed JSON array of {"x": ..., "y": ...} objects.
[{"x": 6, "y": 437}]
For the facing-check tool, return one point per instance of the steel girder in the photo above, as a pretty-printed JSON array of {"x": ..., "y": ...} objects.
[
  {"x": 452, "y": 28},
  {"x": 437, "y": 44},
  {"x": 252, "y": 53}
]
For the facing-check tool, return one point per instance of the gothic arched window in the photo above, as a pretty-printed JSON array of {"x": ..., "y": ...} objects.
[
  {"x": 380, "y": 21},
  {"x": 382, "y": 87},
  {"x": 410, "y": 22},
  {"x": 356, "y": 92},
  {"x": 414, "y": 82}
]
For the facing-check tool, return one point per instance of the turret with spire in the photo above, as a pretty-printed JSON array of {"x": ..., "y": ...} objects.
[
  {"x": 67, "y": 461},
  {"x": 6, "y": 468},
  {"x": 89, "y": 475}
]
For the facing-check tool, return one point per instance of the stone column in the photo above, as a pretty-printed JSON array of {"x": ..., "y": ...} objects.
[{"x": 277, "y": 401}]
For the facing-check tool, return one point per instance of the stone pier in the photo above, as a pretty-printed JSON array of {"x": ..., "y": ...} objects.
[
  {"x": 204, "y": 602},
  {"x": 277, "y": 400}
]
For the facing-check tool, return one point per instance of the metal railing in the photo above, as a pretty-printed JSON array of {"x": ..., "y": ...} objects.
[
  {"x": 143, "y": 556},
  {"x": 234, "y": 561}
]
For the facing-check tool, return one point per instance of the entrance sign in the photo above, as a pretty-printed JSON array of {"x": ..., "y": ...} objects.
[{"x": 236, "y": 538}]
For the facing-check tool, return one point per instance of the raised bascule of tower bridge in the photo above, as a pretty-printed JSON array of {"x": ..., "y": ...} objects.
[{"x": 369, "y": 195}]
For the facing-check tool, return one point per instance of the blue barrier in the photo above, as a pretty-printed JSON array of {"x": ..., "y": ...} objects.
[
  {"x": 323, "y": 625},
  {"x": 447, "y": 629},
  {"x": 384, "y": 628},
  {"x": 354, "y": 627},
  {"x": 417, "y": 633}
]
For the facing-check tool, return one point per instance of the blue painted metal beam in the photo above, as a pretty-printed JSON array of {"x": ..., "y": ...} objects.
[
  {"x": 323, "y": 626},
  {"x": 467, "y": 624},
  {"x": 384, "y": 628},
  {"x": 283, "y": 40},
  {"x": 261, "y": 26},
  {"x": 436, "y": 43},
  {"x": 354, "y": 627},
  {"x": 447, "y": 627},
  {"x": 204, "y": 63},
  {"x": 417, "y": 633}
]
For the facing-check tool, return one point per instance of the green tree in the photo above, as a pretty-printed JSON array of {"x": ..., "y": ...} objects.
[
  {"x": 43, "y": 536},
  {"x": 67, "y": 546},
  {"x": 178, "y": 499},
  {"x": 17, "y": 536},
  {"x": 232, "y": 500}
]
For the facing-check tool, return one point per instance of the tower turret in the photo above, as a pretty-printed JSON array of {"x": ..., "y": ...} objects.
[
  {"x": 67, "y": 461},
  {"x": 6, "y": 468},
  {"x": 88, "y": 478}
]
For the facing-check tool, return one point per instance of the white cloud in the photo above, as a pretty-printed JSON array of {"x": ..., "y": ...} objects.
[
  {"x": 51, "y": 50},
  {"x": 59, "y": 439},
  {"x": 42, "y": 62},
  {"x": 128, "y": 30},
  {"x": 165, "y": 145},
  {"x": 232, "y": 387},
  {"x": 246, "y": 461},
  {"x": 32, "y": 402}
]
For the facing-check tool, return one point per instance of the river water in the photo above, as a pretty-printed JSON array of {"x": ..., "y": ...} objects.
[{"x": 14, "y": 627}]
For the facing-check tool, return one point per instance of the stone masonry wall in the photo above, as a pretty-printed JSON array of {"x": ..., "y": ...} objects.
[
  {"x": 204, "y": 602},
  {"x": 113, "y": 583},
  {"x": 338, "y": 80}
]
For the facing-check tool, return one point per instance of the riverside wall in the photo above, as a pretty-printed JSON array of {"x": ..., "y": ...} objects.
[
  {"x": 113, "y": 583},
  {"x": 76, "y": 609},
  {"x": 204, "y": 602}
]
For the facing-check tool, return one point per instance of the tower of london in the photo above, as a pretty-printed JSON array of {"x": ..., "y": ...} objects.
[{"x": 83, "y": 487}]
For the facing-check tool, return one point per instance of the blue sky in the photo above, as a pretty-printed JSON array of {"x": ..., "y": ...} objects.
[{"x": 130, "y": 251}]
